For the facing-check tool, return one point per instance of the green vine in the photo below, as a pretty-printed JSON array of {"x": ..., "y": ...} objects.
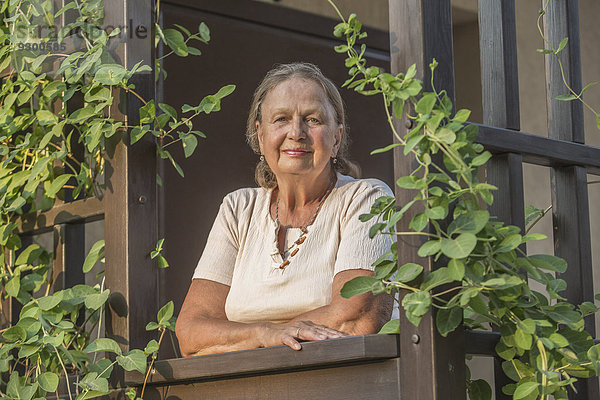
[
  {"x": 481, "y": 280},
  {"x": 552, "y": 51},
  {"x": 57, "y": 100}
]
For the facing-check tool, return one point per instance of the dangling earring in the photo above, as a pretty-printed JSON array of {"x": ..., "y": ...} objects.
[
  {"x": 335, "y": 160},
  {"x": 262, "y": 158}
]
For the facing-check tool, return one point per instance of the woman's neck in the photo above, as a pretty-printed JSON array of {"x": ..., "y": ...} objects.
[{"x": 297, "y": 193}]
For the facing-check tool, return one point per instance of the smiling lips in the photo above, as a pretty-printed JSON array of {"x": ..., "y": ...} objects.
[{"x": 296, "y": 152}]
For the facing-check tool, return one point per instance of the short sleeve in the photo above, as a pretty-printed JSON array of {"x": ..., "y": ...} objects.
[
  {"x": 218, "y": 258},
  {"x": 356, "y": 250}
]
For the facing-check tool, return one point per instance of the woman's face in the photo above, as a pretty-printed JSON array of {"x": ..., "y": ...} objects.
[{"x": 298, "y": 132}]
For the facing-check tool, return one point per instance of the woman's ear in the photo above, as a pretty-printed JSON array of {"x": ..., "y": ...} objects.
[
  {"x": 338, "y": 139},
  {"x": 259, "y": 136}
]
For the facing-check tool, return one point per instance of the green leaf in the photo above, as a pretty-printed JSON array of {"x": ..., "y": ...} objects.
[
  {"x": 446, "y": 135},
  {"x": 509, "y": 243},
  {"x": 204, "y": 32},
  {"x": 527, "y": 325},
  {"x": 147, "y": 112},
  {"x": 386, "y": 148},
  {"x": 189, "y": 142},
  {"x": 162, "y": 262},
  {"x": 436, "y": 212},
  {"x": 548, "y": 262},
  {"x": 470, "y": 222},
  {"x": 137, "y": 133},
  {"x": 587, "y": 308},
  {"x": 523, "y": 340},
  {"x": 95, "y": 301},
  {"x": 447, "y": 320},
  {"x": 13, "y": 286},
  {"x": 356, "y": 286},
  {"x": 480, "y": 390},
  {"x": 562, "y": 44},
  {"x": 152, "y": 326},
  {"x": 48, "y": 381},
  {"x": 559, "y": 340},
  {"x": 103, "y": 344},
  {"x": 419, "y": 222},
  {"x": 110, "y": 74},
  {"x": 460, "y": 247},
  {"x": 456, "y": 269},
  {"x": 462, "y": 116},
  {"x": 176, "y": 42},
  {"x": 167, "y": 109},
  {"x": 14, "y": 333},
  {"x": 436, "y": 278},
  {"x": 54, "y": 88},
  {"x": 57, "y": 184},
  {"x": 481, "y": 159},
  {"x": 412, "y": 142},
  {"x": 165, "y": 313},
  {"x": 224, "y": 91},
  {"x": 594, "y": 355},
  {"x": 49, "y": 302},
  {"x": 525, "y": 389},
  {"x": 416, "y": 304},
  {"x": 429, "y": 248},
  {"x": 392, "y": 326},
  {"x": 566, "y": 97},
  {"x": 504, "y": 351},
  {"x": 426, "y": 103},
  {"x": 45, "y": 117},
  {"x": 194, "y": 51},
  {"x": 81, "y": 115},
  {"x": 54, "y": 340},
  {"x": 398, "y": 107},
  {"x": 151, "y": 347},
  {"x": 29, "y": 255},
  {"x": 133, "y": 360},
  {"x": 408, "y": 272},
  {"x": 95, "y": 254},
  {"x": 411, "y": 182}
]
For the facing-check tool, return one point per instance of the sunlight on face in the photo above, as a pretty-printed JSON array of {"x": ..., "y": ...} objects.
[{"x": 297, "y": 133}]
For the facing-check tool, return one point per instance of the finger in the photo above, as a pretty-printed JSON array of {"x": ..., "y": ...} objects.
[
  {"x": 324, "y": 330},
  {"x": 310, "y": 333},
  {"x": 291, "y": 342}
]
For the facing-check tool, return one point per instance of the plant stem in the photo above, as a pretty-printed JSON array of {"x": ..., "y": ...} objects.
[
  {"x": 162, "y": 334},
  {"x": 65, "y": 371}
]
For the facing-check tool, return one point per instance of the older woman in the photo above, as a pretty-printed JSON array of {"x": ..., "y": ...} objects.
[{"x": 278, "y": 255}]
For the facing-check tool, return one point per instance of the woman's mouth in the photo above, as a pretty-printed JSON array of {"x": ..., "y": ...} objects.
[{"x": 296, "y": 152}]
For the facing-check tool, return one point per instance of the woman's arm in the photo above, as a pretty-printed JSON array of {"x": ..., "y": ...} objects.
[
  {"x": 202, "y": 326},
  {"x": 358, "y": 315}
]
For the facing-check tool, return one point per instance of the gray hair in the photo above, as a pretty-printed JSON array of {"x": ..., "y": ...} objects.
[{"x": 263, "y": 174}]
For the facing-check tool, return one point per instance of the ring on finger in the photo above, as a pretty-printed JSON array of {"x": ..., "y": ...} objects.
[{"x": 298, "y": 332}]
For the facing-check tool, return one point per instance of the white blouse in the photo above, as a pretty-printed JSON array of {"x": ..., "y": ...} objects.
[{"x": 241, "y": 251}]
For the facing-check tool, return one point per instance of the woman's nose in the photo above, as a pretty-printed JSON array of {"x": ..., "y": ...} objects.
[{"x": 297, "y": 128}]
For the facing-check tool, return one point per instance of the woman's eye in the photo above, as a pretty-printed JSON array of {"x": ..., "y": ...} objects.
[
  {"x": 280, "y": 119},
  {"x": 313, "y": 120}
]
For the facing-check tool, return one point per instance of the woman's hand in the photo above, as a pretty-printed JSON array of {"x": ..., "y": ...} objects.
[{"x": 289, "y": 333}]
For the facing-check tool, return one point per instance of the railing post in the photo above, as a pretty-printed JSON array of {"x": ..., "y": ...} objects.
[
  {"x": 130, "y": 196},
  {"x": 570, "y": 208},
  {"x": 500, "y": 98},
  {"x": 433, "y": 367}
]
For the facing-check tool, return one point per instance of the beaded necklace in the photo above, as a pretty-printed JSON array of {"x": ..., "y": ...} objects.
[{"x": 303, "y": 231}]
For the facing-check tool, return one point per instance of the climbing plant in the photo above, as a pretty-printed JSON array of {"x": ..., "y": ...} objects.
[
  {"x": 57, "y": 104},
  {"x": 482, "y": 278}
]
